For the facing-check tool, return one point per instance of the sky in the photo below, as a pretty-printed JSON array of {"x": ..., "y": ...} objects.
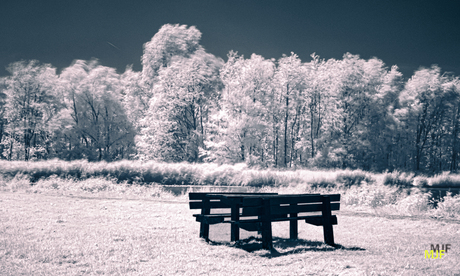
[{"x": 409, "y": 34}]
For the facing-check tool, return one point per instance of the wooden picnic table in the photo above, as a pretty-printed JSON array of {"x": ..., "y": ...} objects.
[{"x": 268, "y": 208}]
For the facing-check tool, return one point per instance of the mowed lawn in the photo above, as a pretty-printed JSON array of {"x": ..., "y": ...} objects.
[{"x": 64, "y": 235}]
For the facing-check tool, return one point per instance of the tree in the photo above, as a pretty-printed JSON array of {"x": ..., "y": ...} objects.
[
  {"x": 381, "y": 130},
  {"x": 2, "y": 114},
  {"x": 452, "y": 87},
  {"x": 97, "y": 126},
  {"x": 320, "y": 107},
  {"x": 241, "y": 128},
  {"x": 168, "y": 42},
  {"x": 135, "y": 96},
  {"x": 31, "y": 105},
  {"x": 356, "y": 97},
  {"x": 289, "y": 84},
  {"x": 174, "y": 128},
  {"x": 425, "y": 103}
]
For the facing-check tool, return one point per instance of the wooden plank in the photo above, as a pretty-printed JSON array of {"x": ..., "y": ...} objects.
[
  {"x": 286, "y": 199},
  {"x": 255, "y": 200},
  {"x": 237, "y": 198},
  {"x": 296, "y": 198},
  {"x": 287, "y": 209},
  {"x": 315, "y": 220},
  {"x": 196, "y": 196},
  {"x": 212, "y": 205},
  {"x": 225, "y": 215},
  {"x": 318, "y": 220},
  {"x": 309, "y": 218},
  {"x": 209, "y": 220},
  {"x": 305, "y": 198},
  {"x": 202, "y": 195}
]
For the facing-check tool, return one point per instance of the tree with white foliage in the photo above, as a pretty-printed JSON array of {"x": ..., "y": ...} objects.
[
  {"x": 3, "y": 120},
  {"x": 168, "y": 42},
  {"x": 290, "y": 88},
  {"x": 97, "y": 127},
  {"x": 242, "y": 126},
  {"x": 362, "y": 92},
  {"x": 135, "y": 96},
  {"x": 426, "y": 105},
  {"x": 174, "y": 127},
  {"x": 30, "y": 107}
]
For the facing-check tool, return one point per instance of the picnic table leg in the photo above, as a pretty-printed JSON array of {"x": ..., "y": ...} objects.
[
  {"x": 235, "y": 216},
  {"x": 267, "y": 241},
  {"x": 327, "y": 225},
  {"x": 204, "y": 227},
  {"x": 293, "y": 224}
]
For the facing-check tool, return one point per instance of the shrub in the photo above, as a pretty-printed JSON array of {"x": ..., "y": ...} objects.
[
  {"x": 449, "y": 206},
  {"x": 420, "y": 181},
  {"x": 18, "y": 182},
  {"x": 353, "y": 178},
  {"x": 323, "y": 184},
  {"x": 371, "y": 195},
  {"x": 444, "y": 180},
  {"x": 398, "y": 179},
  {"x": 415, "y": 204}
]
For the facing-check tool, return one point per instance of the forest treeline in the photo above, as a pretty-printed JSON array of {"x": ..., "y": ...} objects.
[{"x": 188, "y": 105}]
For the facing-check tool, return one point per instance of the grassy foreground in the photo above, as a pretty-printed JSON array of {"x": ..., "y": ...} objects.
[{"x": 145, "y": 231}]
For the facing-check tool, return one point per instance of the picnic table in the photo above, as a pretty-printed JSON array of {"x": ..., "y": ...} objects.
[{"x": 256, "y": 212}]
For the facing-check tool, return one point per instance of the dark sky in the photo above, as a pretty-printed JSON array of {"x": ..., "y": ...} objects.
[{"x": 409, "y": 34}]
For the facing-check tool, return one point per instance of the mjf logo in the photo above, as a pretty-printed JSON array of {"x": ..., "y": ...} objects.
[{"x": 430, "y": 254}]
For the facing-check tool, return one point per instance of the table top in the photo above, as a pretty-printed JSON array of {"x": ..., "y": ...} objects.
[
  {"x": 255, "y": 195},
  {"x": 233, "y": 199}
]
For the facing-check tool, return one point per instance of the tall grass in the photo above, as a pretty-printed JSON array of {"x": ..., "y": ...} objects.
[
  {"x": 180, "y": 173},
  {"x": 146, "y": 173},
  {"x": 91, "y": 187}
]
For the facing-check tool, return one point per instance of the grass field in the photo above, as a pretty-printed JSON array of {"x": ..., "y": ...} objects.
[{"x": 98, "y": 233}]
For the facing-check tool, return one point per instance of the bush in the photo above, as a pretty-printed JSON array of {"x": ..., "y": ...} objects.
[
  {"x": 323, "y": 184},
  {"x": 449, "y": 206},
  {"x": 444, "y": 180},
  {"x": 18, "y": 182},
  {"x": 371, "y": 195},
  {"x": 398, "y": 179},
  {"x": 353, "y": 178},
  {"x": 415, "y": 204}
]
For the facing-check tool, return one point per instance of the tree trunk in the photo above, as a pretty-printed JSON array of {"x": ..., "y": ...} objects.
[
  {"x": 285, "y": 131},
  {"x": 453, "y": 162},
  {"x": 10, "y": 154}
]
